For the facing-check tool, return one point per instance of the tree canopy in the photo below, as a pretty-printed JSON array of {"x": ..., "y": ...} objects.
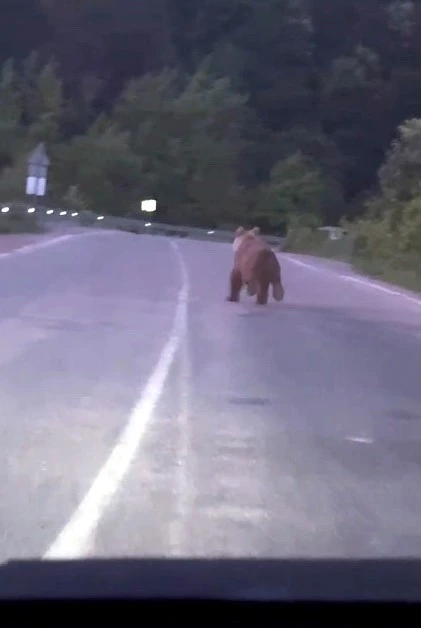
[{"x": 285, "y": 111}]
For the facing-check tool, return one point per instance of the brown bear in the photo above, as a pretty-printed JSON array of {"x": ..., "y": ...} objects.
[{"x": 255, "y": 266}]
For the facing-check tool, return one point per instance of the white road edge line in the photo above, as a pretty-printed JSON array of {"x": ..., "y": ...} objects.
[
  {"x": 28, "y": 248},
  {"x": 38, "y": 245},
  {"x": 371, "y": 284},
  {"x": 75, "y": 539},
  {"x": 300, "y": 263},
  {"x": 363, "y": 282}
]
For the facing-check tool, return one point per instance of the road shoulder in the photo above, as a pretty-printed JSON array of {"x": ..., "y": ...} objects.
[
  {"x": 346, "y": 272},
  {"x": 13, "y": 242}
]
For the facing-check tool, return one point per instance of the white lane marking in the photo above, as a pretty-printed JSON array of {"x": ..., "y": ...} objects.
[
  {"x": 51, "y": 241},
  {"x": 28, "y": 248},
  {"x": 370, "y": 284},
  {"x": 36, "y": 245},
  {"x": 303, "y": 264},
  {"x": 237, "y": 512},
  {"x": 360, "y": 439},
  {"x": 75, "y": 539},
  {"x": 183, "y": 479},
  {"x": 41, "y": 245},
  {"x": 363, "y": 282}
]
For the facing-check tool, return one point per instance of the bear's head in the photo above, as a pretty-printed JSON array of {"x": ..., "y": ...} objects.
[{"x": 242, "y": 234}]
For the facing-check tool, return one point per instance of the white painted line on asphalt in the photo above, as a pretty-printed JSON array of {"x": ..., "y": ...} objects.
[
  {"x": 182, "y": 475},
  {"x": 76, "y": 537},
  {"x": 360, "y": 439},
  {"x": 36, "y": 245},
  {"x": 361, "y": 281},
  {"x": 28, "y": 248},
  {"x": 42, "y": 245},
  {"x": 377, "y": 286},
  {"x": 303, "y": 264}
]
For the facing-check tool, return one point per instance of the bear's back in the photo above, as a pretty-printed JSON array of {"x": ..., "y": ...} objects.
[{"x": 248, "y": 253}]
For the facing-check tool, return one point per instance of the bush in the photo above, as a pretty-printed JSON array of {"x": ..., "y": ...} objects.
[
  {"x": 315, "y": 242},
  {"x": 87, "y": 218},
  {"x": 405, "y": 275},
  {"x": 389, "y": 248},
  {"x": 19, "y": 223},
  {"x": 130, "y": 229},
  {"x": 303, "y": 240}
]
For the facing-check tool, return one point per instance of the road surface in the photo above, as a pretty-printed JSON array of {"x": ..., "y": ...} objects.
[{"x": 141, "y": 414}]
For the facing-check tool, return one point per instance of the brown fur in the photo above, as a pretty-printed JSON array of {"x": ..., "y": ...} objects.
[{"x": 255, "y": 266}]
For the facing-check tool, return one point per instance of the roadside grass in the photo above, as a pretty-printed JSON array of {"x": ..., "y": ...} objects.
[
  {"x": 309, "y": 242},
  {"x": 403, "y": 271},
  {"x": 407, "y": 278},
  {"x": 19, "y": 223}
]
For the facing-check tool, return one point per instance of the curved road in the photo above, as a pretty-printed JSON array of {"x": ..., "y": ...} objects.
[{"x": 141, "y": 414}]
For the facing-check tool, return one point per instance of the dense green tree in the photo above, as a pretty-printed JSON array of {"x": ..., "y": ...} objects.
[
  {"x": 391, "y": 230},
  {"x": 213, "y": 107},
  {"x": 400, "y": 176},
  {"x": 296, "y": 193},
  {"x": 44, "y": 106},
  {"x": 113, "y": 40},
  {"x": 188, "y": 137},
  {"x": 24, "y": 27},
  {"x": 10, "y": 114},
  {"x": 103, "y": 167}
]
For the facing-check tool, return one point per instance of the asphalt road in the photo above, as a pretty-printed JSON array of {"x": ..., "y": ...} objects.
[{"x": 141, "y": 414}]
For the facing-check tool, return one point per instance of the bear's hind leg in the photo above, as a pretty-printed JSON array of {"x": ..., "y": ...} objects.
[
  {"x": 236, "y": 283},
  {"x": 252, "y": 287},
  {"x": 263, "y": 293},
  {"x": 278, "y": 291}
]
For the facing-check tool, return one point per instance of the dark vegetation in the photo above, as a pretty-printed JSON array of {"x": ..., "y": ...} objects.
[{"x": 290, "y": 114}]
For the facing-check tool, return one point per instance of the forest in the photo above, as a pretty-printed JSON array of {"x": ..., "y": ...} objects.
[{"x": 290, "y": 114}]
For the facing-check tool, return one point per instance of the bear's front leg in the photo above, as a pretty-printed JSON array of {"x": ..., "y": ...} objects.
[
  {"x": 236, "y": 283},
  {"x": 263, "y": 293}
]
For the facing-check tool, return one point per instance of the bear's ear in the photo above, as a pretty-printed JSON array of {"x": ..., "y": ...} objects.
[
  {"x": 256, "y": 230},
  {"x": 239, "y": 231}
]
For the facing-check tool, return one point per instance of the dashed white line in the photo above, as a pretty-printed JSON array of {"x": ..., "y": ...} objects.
[
  {"x": 75, "y": 540},
  {"x": 184, "y": 485},
  {"x": 360, "y": 439}
]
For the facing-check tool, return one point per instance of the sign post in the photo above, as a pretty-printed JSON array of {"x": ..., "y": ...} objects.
[{"x": 36, "y": 180}]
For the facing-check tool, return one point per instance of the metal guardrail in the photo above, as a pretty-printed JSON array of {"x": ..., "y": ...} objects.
[
  {"x": 156, "y": 228},
  {"x": 51, "y": 218}
]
